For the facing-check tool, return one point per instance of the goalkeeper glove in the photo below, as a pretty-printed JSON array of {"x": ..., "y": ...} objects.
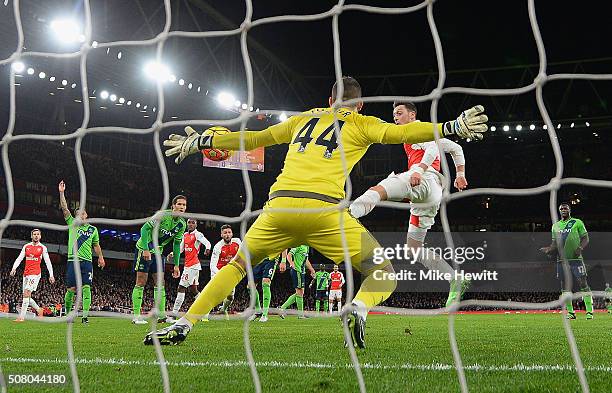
[
  {"x": 183, "y": 147},
  {"x": 471, "y": 123}
]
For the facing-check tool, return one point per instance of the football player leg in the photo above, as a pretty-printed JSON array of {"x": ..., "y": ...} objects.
[
  {"x": 266, "y": 282},
  {"x": 189, "y": 281},
  {"x": 335, "y": 296},
  {"x": 379, "y": 282},
  {"x": 393, "y": 188},
  {"x": 86, "y": 280},
  {"x": 257, "y": 276},
  {"x": 569, "y": 304},
  {"x": 266, "y": 236},
  {"x": 141, "y": 266},
  {"x": 580, "y": 275},
  {"x": 30, "y": 283},
  {"x": 70, "y": 287},
  {"x": 297, "y": 278}
]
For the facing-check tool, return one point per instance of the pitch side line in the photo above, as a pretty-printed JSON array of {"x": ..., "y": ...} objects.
[{"x": 313, "y": 365}]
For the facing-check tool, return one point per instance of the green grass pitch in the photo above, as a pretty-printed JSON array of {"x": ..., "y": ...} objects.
[{"x": 502, "y": 353}]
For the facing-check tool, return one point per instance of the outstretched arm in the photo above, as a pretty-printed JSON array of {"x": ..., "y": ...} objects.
[
  {"x": 471, "y": 123},
  {"x": 63, "y": 204},
  {"x": 193, "y": 143}
]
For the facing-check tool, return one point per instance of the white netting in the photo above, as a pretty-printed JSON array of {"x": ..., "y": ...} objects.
[{"x": 435, "y": 95}]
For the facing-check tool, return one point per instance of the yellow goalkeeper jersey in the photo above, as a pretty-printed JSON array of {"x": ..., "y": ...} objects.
[{"x": 314, "y": 160}]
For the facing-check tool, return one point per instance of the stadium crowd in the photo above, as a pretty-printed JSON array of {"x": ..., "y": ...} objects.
[{"x": 112, "y": 291}]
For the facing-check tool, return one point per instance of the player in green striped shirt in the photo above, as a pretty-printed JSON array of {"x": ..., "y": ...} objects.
[
  {"x": 83, "y": 237},
  {"x": 171, "y": 229},
  {"x": 570, "y": 234},
  {"x": 322, "y": 280},
  {"x": 298, "y": 261}
]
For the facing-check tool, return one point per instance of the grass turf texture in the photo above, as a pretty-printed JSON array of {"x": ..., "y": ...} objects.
[{"x": 308, "y": 355}]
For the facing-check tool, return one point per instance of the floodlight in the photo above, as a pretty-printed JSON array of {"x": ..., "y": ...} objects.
[
  {"x": 67, "y": 31},
  {"x": 157, "y": 71},
  {"x": 30, "y": 71},
  {"x": 282, "y": 117},
  {"x": 225, "y": 99},
  {"x": 113, "y": 97},
  {"x": 104, "y": 94},
  {"x": 18, "y": 67}
]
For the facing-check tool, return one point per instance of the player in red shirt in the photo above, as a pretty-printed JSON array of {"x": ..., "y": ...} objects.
[
  {"x": 190, "y": 246},
  {"x": 421, "y": 184},
  {"x": 223, "y": 252},
  {"x": 33, "y": 252},
  {"x": 335, "y": 289}
]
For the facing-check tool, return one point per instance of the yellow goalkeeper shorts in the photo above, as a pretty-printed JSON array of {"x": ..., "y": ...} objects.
[{"x": 274, "y": 231}]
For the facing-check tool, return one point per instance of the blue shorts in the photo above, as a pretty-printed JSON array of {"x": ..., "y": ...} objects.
[
  {"x": 321, "y": 295},
  {"x": 297, "y": 279},
  {"x": 86, "y": 274},
  {"x": 578, "y": 271},
  {"x": 144, "y": 266},
  {"x": 265, "y": 269}
]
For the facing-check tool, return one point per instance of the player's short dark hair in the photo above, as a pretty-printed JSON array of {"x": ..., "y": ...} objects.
[
  {"x": 176, "y": 198},
  {"x": 409, "y": 105},
  {"x": 352, "y": 89},
  {"x": 565, "y": 204},
  {"x": 192, "y": 219},
  {"x": 226, "y": 226},
  {"x": 35, "y": 230}
]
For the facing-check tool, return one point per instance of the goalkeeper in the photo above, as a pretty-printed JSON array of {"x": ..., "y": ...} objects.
[{"x": 304, "y": 202}]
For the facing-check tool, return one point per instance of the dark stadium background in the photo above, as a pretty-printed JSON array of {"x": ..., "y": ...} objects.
[{"x": 486, "y": 45}]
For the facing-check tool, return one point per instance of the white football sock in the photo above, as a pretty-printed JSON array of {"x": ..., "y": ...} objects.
[
  {"x": 24, "y": 307},
  {"x": 34, "y": 305},
  {"x": 178, "y": 302},
  {"x": 362, "y": 310},
  {"x": 436, "y": 263},
  {"x": 184, "y": 321},
  {"x": 364, "y": 204}
]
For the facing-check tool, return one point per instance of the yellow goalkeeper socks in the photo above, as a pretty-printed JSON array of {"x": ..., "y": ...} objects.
[
  {"x": 217, "y": 289},
  {"x": 374, "y": 291}
]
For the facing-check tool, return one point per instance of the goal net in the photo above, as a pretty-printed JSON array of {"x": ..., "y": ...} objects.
[{"x": 334, "y": 14}]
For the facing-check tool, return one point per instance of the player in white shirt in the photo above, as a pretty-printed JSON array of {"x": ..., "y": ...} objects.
[
  {"x": 190, "y": 246},
  {"x": 222, "y": 254},
  {"x": 33, "y": 252},
  {"x": 422, "y": 186},
  {"x": 335, "y": 288}
]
